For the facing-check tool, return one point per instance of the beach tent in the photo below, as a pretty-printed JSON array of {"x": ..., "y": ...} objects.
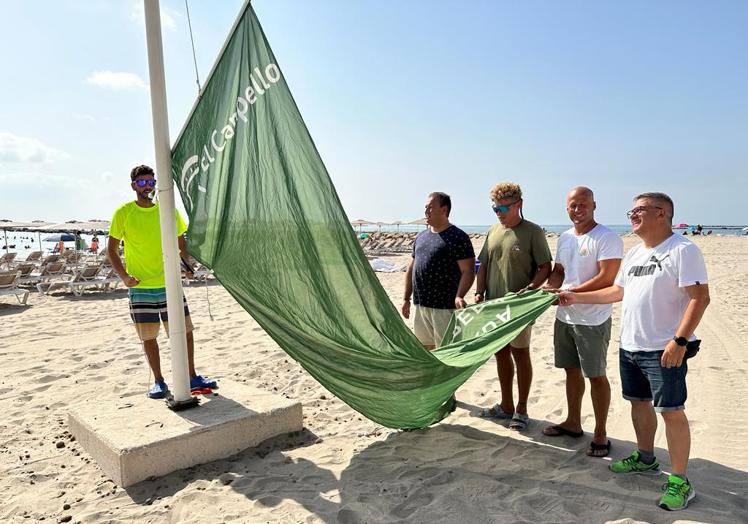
[{"x": 265, "y": 217}]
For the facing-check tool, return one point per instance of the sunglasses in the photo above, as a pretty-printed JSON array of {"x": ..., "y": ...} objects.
[
  {"x": 503, "y": 209},
  {"x": 143, "y": 183},
  {"x": 640, "y": 209}
]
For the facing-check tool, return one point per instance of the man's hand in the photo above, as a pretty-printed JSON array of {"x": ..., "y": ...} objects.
[
  {"x": 479, "y": 297},
  {"x": 672, "y": 357},
  {"x": 525, "y": 289},
  {"x": 130, "y": 281},
  {"x": 566, "y": 298},
  {"x": 405, "y": 308},
  {"x": 550, "y": 289},
  {"x": 460, "y": 303}
]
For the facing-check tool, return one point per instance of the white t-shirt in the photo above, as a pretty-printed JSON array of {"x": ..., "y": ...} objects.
[
  {"x": 579, "y": 255},
  {"x": 654, "y": 298}
]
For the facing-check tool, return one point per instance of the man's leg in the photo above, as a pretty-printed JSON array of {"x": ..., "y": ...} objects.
[
  {"x": 524, "y": 377},
  {"x": 600, "y": 393},
  {"x": 678, "y": 440},
  {"x": 191, "y": 354},
  {"x": 645, "y": 424},
  {"x": 574, "y": 394},
  {"x": 505, "y": 368},
  {"x": 154, "y": 360}
]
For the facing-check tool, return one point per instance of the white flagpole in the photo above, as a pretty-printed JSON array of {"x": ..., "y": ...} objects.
[{"x": 177, "y": 333}]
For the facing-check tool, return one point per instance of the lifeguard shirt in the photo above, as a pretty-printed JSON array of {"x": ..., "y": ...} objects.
[
  {"x": 140, "y": 228},
  {"x": 436, "y": 274},
  {"x": 654, "y": 298}
]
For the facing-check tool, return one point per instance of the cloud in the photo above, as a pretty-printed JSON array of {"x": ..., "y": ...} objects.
[
  {"x": 16, "y": 149},
  {"x": 168, "y": 16},
  {"x": 116, "y": 80}
]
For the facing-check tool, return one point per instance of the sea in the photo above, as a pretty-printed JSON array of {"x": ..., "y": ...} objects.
[{"x": 24, "y": 242}]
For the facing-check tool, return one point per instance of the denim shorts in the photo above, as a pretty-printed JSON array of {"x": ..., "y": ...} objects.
[{"x": 644, "y": 378}]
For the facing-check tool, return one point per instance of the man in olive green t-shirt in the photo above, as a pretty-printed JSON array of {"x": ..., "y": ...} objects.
[
  {"x": 515, "y": 257},
  {"x": 138, "y": 224}
]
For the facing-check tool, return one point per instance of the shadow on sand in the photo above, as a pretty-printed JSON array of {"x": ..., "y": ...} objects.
[{"x": 457, "y": 473}]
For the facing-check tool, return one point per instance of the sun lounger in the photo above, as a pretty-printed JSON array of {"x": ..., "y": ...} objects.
[
  {"x": 34, "y": 256},
  {"x": 7, "y": 259},
  {"x": 92, "y": 275},
  {"x": 9, "y": 286},
  {"x": 51, "y": 275}
]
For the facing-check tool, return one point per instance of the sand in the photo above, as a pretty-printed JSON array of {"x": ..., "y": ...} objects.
[{"x": 344, "y": 468}]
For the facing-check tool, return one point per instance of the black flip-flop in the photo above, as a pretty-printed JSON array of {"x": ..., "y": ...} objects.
[
  {"x": 594, "y": 448},
  {"x": 561, "y": 431}
]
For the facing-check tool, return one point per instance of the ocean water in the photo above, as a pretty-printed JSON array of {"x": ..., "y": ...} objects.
[{"x": 26, "y": 242}]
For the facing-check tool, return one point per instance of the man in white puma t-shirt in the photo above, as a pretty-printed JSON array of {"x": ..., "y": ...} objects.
[{"x": 663, "y": 285}]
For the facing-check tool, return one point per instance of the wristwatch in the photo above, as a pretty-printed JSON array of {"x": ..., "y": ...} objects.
[{"x": 681, "y": 341}]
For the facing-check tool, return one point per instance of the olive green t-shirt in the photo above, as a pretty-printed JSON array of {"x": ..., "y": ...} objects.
[
  {"x": 140, "y": 228},
  {"x": 512, "y": 256}
]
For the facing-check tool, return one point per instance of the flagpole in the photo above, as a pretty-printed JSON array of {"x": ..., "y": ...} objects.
[{"x": 180, "y": 389}]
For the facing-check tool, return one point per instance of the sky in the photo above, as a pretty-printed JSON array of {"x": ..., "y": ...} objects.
[{"x": 402, "y": 99}]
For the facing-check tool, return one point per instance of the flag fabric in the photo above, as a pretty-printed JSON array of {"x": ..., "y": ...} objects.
[{"x": 265, "y": 217}]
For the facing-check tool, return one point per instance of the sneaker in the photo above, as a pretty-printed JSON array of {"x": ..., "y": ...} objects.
[
  {"x": 158, "y": 390},
  {"x": 200, "y": 382},
  {"x": 634, "y": 464},
  {"x": 678, "y": 493}
]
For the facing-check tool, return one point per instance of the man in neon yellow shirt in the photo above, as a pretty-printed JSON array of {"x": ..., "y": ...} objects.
[{"x": 137, "y": 223}]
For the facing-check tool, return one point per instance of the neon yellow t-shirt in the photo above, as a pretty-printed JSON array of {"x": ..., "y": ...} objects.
[{"x": 140, "y": 228}]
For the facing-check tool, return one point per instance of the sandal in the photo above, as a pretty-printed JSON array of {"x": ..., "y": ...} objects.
[
  {"x": 560, "y": 431},
  {"x": 495, "y": 411},
  {"x": 598, "y": 450},
  {"x": 519, "y": 422}
]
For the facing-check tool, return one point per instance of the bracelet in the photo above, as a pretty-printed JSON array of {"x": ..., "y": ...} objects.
[{"x": 407, "y": 299}]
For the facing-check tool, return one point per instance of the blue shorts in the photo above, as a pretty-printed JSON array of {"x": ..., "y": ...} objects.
[{"x": 643, "y": 378}]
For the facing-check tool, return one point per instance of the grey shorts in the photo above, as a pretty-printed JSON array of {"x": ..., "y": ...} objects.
[
  {"x": 585, "y": 347},
  {"x": 430, "y": 324}
]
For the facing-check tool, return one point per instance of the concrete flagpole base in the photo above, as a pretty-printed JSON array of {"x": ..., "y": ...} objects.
[{"x": 134, "y": 438}]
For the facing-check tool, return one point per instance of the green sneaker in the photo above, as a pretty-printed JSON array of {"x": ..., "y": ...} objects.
[
  {"x": 634, "y": 464},
  {"x": 678, "y": 493}
]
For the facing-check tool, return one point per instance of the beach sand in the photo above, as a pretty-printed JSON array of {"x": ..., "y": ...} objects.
[{"x": 63, "y": 350}]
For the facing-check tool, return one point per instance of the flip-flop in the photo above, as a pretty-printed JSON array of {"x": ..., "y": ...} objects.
[
  {"x": 560, "y": 431},
  {"x": 519, "y": 422},
  {"x": 598, "y": 450},
  {"x": 496, "y": 411}
]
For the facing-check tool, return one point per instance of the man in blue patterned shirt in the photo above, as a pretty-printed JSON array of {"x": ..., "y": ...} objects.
[{"x": 440, "y": 274}]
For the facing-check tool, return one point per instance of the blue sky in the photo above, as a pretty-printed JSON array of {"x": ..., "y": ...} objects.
[{"x": 401, "y": 98}]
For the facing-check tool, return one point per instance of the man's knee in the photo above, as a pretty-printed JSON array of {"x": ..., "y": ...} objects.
[
  {"x": 674, "y": 416},
  {"x": 520, "y": 353},
  {"x": 599, "y": 381}
]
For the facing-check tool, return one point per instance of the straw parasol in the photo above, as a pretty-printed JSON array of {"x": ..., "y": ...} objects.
[
  {"x": 361, "y": 222},
  {"x": 10, "y": 225},
  {"x": 418, "y": 222}
]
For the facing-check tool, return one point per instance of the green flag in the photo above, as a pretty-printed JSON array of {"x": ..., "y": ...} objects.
[{"x": 265, "y": 217}]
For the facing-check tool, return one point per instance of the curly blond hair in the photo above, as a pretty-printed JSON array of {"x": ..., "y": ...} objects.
[{"x": 506, "y": 190}]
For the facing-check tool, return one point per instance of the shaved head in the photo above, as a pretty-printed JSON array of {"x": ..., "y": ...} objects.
[{"x": 581, "y": 190}]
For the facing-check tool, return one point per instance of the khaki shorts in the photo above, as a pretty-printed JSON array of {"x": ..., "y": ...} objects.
[
  {"x": 148, "y": 311},
  {"x": 430, "y": 324},
  {"x": 522, "y": 341},
  {"x": 585, "y": 347}
]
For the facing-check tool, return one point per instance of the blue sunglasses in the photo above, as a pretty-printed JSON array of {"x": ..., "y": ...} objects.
[
  {"x": 143, "y": 183},
  {"x": 503, "y": 209}
]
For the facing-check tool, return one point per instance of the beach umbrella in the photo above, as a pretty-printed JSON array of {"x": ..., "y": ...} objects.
[
  {"x": 380, "y": 224},
  {"x": 65, "y": 237},
  {"x": 419, "y": 222},
  {"x": 361, "y": 222},
  {"x": 397, "y": 223}
]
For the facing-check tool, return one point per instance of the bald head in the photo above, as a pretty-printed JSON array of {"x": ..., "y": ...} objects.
[{"x": 580, "y": 204}]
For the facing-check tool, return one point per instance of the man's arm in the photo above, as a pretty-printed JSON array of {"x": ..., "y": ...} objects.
[
  {"x": 606, "y": 275},
  {"x": 541, "y": 275},
  {"x": 467, "y": 277},
  {"x": 405, "y": 308},
  {"x": 556, "y": 279},
  {"x": 112, "y": 249},
  {"x": 480, "y": 286},
  {"x": 183, "y": 253},
  {"x": 607, "y": 295},
  {"x": 698, "y": 295}
]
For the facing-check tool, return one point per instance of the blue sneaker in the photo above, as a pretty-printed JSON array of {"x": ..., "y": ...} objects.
[
  {"x": 158, "y": 390},
  {"x": 200, "y": 382}
]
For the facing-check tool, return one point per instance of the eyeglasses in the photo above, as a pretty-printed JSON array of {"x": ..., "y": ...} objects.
[
  {"x": 143, "y": 183},
  {"x": 503, "y": 209},
  {"x": 640, "y": 209}
]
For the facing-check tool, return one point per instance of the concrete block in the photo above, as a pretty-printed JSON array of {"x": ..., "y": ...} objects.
[{"x": 134, "y": 438}]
